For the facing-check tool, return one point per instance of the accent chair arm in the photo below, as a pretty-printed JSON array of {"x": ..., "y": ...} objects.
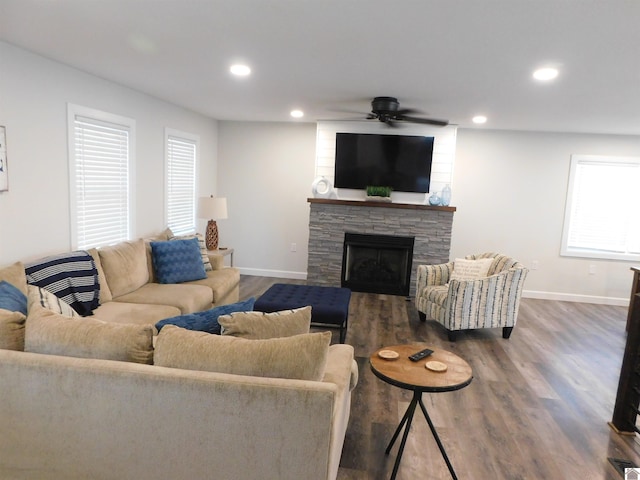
[{"x": 433, "y": 275}]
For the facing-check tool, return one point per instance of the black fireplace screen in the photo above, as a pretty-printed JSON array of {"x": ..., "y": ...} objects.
[{"x": 377, "y": 263}]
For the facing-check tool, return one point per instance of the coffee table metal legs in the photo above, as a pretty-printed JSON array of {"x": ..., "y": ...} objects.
[{"x": 406, "y": 422}]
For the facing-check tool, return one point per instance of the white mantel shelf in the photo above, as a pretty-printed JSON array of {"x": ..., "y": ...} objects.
[{"x": 364, "y": 203}]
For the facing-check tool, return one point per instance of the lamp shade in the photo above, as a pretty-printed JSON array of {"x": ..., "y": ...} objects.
[{"x": 212, "y": 208}]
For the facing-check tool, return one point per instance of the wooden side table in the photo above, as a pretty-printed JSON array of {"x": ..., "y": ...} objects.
[
  {"x": 224, "y": 252},
  {"x": 403, "y": 373}
]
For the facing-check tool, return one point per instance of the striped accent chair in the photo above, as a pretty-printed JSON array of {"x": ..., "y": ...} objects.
[{"x": 488, "y": 302}]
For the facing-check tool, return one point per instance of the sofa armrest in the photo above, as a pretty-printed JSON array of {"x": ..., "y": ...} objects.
[
  {"x": 217, "y": 261},
  {"x": 340, "y": 369}
]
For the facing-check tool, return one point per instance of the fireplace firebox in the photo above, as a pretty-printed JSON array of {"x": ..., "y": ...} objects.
[{"x": 377, "y": 263}]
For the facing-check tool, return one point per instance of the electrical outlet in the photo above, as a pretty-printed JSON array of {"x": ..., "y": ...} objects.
[
  {"x": 535, "y": 264},
  {"x": 294, "y": 247},
  {"x": 592, "y": 269}
]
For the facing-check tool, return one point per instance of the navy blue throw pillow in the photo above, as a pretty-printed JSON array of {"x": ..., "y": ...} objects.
[
  {"x": 177, "y": 261},
  {"x": 207, "y": 321},
  {"x": 12, "y": 299}
]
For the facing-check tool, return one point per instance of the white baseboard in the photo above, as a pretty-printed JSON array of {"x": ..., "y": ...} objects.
[
  {"x": 258, "y": 272},
  {"x": 572, "y": 297},
  {"x": 561, "y": 297}
]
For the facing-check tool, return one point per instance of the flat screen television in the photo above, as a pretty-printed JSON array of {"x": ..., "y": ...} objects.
[{"x": 402, "y": 162}]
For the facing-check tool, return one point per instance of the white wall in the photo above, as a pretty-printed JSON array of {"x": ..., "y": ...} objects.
[
  {"x": 34, "y": 92},
  {"x": 510, "y": 191},
  {"x": 266, "y": 171}
]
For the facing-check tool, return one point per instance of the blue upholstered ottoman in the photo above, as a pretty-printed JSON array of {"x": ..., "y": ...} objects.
[{"x": 329, "y": 305}]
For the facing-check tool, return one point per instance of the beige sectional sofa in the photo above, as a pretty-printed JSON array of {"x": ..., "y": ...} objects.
[
  {"x": 129, "y": 293},
  {"x": 64, "y": 417}
]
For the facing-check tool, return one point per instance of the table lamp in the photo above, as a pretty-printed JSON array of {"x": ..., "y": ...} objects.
[{"x": 212, "y": 209}]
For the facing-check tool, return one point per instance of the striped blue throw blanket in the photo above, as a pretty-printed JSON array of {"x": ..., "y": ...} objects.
[{"x": 73, "y": 277}]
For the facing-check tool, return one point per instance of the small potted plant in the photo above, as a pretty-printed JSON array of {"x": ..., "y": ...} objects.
[{"x": 379, "y": 193}]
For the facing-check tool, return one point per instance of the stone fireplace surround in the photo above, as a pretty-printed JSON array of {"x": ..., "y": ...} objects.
[{"x": 329, "y": 219}]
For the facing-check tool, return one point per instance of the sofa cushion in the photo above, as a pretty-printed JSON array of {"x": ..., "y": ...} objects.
[
  {"x": 161, "y": 237},
  {"x": 136, "y": 313},
  {"x": 11, "y": 298},
  {"x": 188, "y": 298},
  {"x": 50, "y": 301},
  {"x": 125, "y": 266},
  {"x": 54, "y": 334},
  {"x": 105, "y": 292},
  {"x": 177, "y": 261},
  {"x": 206, "y": 321},
  {"x": 12, "y": 330},
  {"x": 204, "y": 254},
  {"x": 300, "y": 357},
  {"x": 260, "y": 325},
  {"x": 15, "y": 275},
  {"x": 465, "y": 269},
  {"x": 221, "y": 282}
]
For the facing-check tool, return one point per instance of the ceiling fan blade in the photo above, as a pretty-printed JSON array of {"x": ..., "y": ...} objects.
[
  {"x": 426, "y": 121},
  {"x": 405, "y": 111}
]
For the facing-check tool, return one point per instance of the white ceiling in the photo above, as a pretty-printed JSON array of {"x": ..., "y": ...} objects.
[{"x": 450, "y": 59}]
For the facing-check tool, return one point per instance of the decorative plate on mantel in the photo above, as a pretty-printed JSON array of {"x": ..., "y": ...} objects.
[{"x": 376, "y": 198}]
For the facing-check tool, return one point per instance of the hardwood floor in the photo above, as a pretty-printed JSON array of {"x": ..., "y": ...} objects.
[{"x": 537, "y": 408}]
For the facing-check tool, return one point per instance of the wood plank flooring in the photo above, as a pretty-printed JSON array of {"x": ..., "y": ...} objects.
[{"x": 537, "y": 408}]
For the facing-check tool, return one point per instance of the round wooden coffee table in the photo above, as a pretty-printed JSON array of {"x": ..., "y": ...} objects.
[{"x": 403, "y": 373}]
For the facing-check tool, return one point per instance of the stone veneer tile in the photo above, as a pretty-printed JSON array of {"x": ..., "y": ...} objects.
[{"x": 328, "y": 222}]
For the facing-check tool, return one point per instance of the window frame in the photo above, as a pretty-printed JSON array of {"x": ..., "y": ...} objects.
[
  {"x": 73, "y": 112},
  {"x": 187, "y": 138},
  {"x": 585, "y": 252}
]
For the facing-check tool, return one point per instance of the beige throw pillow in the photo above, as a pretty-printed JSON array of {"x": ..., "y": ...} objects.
[
  {"x": 125, "y": 266},
  {"x": 105, "y": 293},
  {"x": 11, "y": 330},
  {"x": 260, "y": 325},
  {"x": 464, "y": 269},
  {"x": 301, "y": 357},
  {"x": 15, "y": 275},
  {"x": 54, "y": 334}
]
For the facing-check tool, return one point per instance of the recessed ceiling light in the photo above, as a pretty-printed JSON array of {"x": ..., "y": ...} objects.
[
  {"x": 297, "y": 113},
  {"x": 240, "y": 70},
  {"x": 545, "y": 74},
  {"x": 479, "y": 119}
]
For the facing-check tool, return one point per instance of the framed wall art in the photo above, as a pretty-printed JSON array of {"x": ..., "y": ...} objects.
[{"x": 4, "y": 172}]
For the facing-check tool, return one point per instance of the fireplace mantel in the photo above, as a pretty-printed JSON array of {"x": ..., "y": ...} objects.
[
  {"x": 365, "y": 203},
  {"x": 329, "y": 219}
]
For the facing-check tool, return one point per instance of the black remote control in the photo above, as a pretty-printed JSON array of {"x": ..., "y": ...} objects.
[{"x": 420, "y": 355}]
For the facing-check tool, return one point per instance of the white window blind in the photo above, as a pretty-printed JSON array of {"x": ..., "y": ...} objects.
[
  {"x": 100, "y": 171},
  {"x": 181, "y": 183},
  {"x": 601, "y": 219}
]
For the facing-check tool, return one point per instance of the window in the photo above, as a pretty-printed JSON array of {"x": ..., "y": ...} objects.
[
  {"x": 182, "y": 151},
  {"x": 601, "y": 217},
  {"x": 101, "y": 159}
]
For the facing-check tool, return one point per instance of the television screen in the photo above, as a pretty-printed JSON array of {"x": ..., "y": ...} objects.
[{"x": 402, "y": 162}]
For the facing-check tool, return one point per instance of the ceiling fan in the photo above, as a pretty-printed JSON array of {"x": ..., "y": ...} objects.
[{"x": 387, "y": 110}]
